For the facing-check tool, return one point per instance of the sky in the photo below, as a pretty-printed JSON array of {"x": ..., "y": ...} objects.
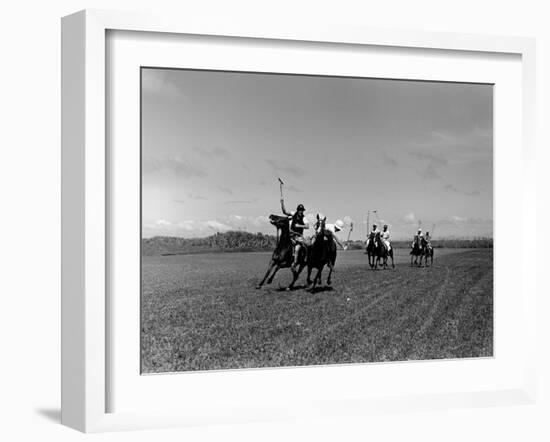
[{"x": 214, "y": 144}]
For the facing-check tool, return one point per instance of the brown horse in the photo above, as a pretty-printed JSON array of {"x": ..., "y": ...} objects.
[
  {"x": 322, "y": 252},
  {"x": 283, "y": 254}
]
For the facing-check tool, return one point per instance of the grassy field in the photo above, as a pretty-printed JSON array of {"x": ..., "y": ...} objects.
[{"x": 202, "y": 312}]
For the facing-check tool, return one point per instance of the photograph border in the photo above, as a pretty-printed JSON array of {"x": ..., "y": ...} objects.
[{"x": 85, "y": 202}]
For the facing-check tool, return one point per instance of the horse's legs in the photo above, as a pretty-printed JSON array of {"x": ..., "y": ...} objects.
[
  {"x": 308, "y": 281},
  {"x": 391, "y": 256},
  {"x": 317, "y": 278},
  {"x": 270, "y": 280},
  {"x": 296, "y": 275},
  {"x": 329, "y": 280},
  {"x": 269, "y": 268}
]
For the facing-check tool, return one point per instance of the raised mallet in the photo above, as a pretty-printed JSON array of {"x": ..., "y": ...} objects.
[{"x": 281, "y": 186}]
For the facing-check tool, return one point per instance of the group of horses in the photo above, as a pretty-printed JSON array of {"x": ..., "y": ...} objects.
[
  {"x": 421, "y": 249},
  {"x": 378, "y": 253},
  {"x": 322, "y": 252}
]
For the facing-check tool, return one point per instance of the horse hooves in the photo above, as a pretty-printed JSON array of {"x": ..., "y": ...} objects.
[{"x": 258, "y": 287}]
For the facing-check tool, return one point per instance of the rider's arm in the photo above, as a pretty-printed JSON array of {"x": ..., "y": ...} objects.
[
  {"x": 283, "y": 208},
  {"x": 305, "y": 225}
]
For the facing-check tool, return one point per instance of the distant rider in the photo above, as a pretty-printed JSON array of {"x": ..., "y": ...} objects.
[
  {"x": 372, "y": 233},
  {"x": 428, "y": 239},
  {"x": 418, "y": 237},
  {"x": 385, "y": 235},
  {"x": 298, "y": 223}
]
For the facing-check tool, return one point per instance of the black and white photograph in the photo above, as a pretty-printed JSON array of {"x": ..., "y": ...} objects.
[{"x": 300, "y": 220}]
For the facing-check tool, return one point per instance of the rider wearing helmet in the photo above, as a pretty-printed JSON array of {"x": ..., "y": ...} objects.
[
  {"x": 386, "y": 237},
  {"x": 298, "y": 223},
  {"x": 372, "y": 233},
  {"x": 418, "y": 237},
  {"x": 331, "y": 230},
  {"x": 428, "y": 239}
]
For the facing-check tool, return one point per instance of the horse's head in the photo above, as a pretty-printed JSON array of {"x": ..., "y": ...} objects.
[
  {"x": 377, "y": 236},
  {"x": 279, "y": 221},
  {"x": 371, "y": 235}
]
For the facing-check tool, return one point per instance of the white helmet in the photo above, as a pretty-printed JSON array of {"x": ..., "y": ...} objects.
[{"x": 339, "y": 224}]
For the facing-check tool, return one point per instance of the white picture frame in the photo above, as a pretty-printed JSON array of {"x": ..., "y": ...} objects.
[{"x": 86, "y": 202}]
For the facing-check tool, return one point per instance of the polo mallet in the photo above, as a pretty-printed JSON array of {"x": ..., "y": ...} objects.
[
  {"x": 350, "y": 230},
  {"x": 281, "y": 186}
]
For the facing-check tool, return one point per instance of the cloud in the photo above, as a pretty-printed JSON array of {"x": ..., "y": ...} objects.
[
  {"x": 225, "y": 190},
  {"x": 452, "y": 188},
  {"x": 218, "y": 226},
  {"x": 252, "y": 201},
  {"x": 409, "y": 217},
  {"x": 162, "y": 223},
  {"x": 286, "y": 168},
  {"x": 390, "y": 161},
  {"x": 196, "y": 197},
  {"x": 434, "y": 160},
  {"x": 293, "y": 189},
  {"x": 180, "y": 167},
  {"x": 430, "y": 173},
  {"x": 470, "y": 146},
  {"x": 179, "y": 201},
  {"x": 458, "y": 219},
  {"x": 160, "y": 83},
  {"x": 211, "y": 153}
]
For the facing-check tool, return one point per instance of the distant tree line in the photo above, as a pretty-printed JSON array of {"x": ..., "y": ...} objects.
[
  {"x": 238, "y": 241},
  {"x": 232, "y": 241}
]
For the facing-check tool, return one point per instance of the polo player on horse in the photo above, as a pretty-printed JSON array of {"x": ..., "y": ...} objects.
[
  {"x": 385, "y": 235},
  {"x": 298, "y": 223},
  {"x": 372, "y": 234},
  {"x": 417, "y": 238}
]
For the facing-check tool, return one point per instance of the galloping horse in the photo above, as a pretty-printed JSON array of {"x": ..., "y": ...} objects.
[
  {"x": 322, "y": 252},
  {"x": 284, "y": 253},
  {"x": 418, "y": 250}
]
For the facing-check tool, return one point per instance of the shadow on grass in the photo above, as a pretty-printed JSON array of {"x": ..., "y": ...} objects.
[
  {"x": 293, "y": 289},
  {"x": 325, "y": 288}
]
